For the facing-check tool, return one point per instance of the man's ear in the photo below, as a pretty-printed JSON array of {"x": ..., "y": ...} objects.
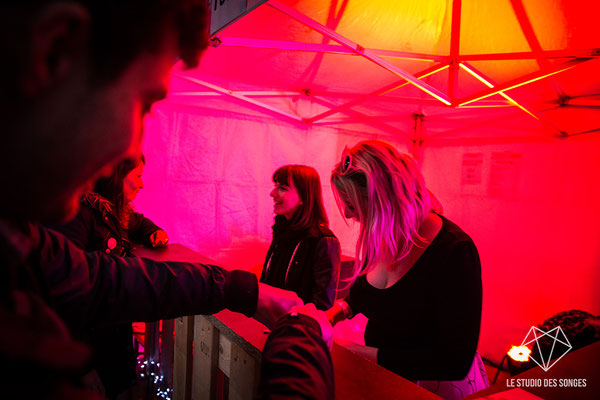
[{"x": 60, "y": 38}]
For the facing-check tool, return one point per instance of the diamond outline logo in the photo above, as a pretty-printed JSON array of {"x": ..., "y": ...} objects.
[{"x": 553, "y": 334}]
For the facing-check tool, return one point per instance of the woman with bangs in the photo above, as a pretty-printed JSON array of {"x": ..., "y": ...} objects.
[
  {"x": 417, "y": 274},
  {"x": 304, "y": 255}
]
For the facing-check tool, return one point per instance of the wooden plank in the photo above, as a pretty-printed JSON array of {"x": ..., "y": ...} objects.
[
  {"x": 182, "y": 365},
  {"x": 151, "y": 351},
  {"x": 206, "y": 346},
  {"x": 224, "y": 361},
  {"x": 167, "y": 345},
  {"x": 173, "y": 252},
  {"x": 357, "y": 378},
  {"x": 244, "y": 374},
  {"x": 246, "y": 332},
  {"x": 151, "y": 336},
  {"x": 241, "y": 337}
]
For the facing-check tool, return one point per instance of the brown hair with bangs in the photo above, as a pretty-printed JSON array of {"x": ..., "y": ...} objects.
[{"x": 305, "y": 179}]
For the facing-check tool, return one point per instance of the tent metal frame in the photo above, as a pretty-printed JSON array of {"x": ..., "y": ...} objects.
[{"x": 453, "y": 62}]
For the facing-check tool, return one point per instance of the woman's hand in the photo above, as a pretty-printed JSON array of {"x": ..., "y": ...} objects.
[
  {"x": 159, "y": 238},
  {"x": 339, "y": 312}
]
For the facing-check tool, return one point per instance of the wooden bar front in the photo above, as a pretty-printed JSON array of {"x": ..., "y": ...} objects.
[{"x": 219, "y": 356}]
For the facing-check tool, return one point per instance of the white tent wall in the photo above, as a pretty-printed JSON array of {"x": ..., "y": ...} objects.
[
  {"x": 208, "y": 177},
  {"x": 530, "y": 206},
  {"x": 532, "y": 211}
]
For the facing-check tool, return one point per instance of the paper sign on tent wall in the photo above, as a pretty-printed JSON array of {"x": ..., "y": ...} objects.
[
  {"x": 504, "y": 174},
  {"x": 224, "y": 12},
  {"x": 472, "y": 164}
]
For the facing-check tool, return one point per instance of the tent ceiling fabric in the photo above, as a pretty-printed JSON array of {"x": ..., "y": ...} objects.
[{"x": 297, "y": 59}]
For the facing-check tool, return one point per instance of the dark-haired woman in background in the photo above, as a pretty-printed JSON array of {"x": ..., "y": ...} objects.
[
  {"x": 107, "y": 222},
  {"x": 304, "y": 255}
]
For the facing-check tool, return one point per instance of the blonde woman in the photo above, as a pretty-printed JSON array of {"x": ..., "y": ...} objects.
[{"x": 417, "y": 274}]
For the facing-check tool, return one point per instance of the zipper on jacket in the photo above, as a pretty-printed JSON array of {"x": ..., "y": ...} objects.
[
  {"x": 290, "y": 264},
  {"x": 268, "y": 268}
]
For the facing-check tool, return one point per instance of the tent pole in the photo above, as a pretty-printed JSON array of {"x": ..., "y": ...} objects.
[
  {"x": 358, "y": 49},
  {"x": 386, "y": 89},
  {"x": 524, "y": 80},
  {"x": 416, "y": 149},
  {"x": 533, "y": 41},
  {"x": 324, "y": 48},
  {"x": 529, "y": 55},
  {"x": 230, "y": 93},
  {"x": 365, "y": 118},
  {"x": 486, "y": 81},
  {"x": 454, "y": 48}
]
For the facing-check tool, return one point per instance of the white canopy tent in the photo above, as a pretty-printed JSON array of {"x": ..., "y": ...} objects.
[
  {"x": 498, "y": 100},
  {"x": 437, "y": 65}
]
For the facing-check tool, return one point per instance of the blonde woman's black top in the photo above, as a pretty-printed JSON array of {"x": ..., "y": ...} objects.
[{"x": 426, "y": 325}]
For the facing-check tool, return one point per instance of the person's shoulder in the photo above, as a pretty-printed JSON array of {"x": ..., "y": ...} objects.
[
  {"x": 323, "y": 231},
  {"x": 96, "y": 202},
  {"x": 451, "y": 233}
]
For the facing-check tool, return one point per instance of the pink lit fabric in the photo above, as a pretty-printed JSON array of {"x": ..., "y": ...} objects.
[{"x": 535, "y": 221}]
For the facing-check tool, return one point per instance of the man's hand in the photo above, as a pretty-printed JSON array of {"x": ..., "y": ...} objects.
[
  {"x": 319, "y": 316},
  {"x": 159, "y": 238},
  {"x": 273, "y": 303}
]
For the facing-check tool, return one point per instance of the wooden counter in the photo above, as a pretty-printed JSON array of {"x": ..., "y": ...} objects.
[{"x": 218, "y": 356}]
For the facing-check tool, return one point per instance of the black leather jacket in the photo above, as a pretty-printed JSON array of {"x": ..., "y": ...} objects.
[
  {"x": 306, "y": 262},
  {"x": 96, "y": 228}
]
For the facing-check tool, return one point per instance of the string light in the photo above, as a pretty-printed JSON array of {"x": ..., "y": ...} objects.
[{"x": 151, "y": 369}]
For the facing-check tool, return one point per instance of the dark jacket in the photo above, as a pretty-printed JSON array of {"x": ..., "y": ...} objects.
[
  {"x": 97, "y": 228},
  {"x": 296, "y": 363},
  {"x": 306, "y": 262},
  {"x": 46, "y": 281}
]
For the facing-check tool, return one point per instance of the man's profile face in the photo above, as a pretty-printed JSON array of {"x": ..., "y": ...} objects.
[
  {"x": 66, "y": 120},
  {"x": 110, "y": 126}
]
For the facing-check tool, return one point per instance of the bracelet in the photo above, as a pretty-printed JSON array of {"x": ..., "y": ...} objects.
[{"x": 346, "y": 310}]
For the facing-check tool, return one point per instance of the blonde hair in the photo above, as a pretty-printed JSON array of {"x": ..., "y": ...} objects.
[{"x": 387, "y": 192}]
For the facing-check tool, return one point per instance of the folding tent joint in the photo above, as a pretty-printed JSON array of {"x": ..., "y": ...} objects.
[
  {"x": 418, "y": 117},
  {"x": 215, "y": 41},
  {"x": 563, "y": 100}
]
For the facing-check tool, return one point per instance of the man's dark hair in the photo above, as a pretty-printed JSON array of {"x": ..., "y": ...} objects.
[{"x": 120, "y": 30}]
